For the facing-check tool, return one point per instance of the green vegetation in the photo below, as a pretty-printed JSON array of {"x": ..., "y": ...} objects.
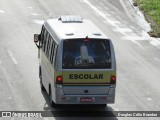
[{"x": 151, "y": 10}]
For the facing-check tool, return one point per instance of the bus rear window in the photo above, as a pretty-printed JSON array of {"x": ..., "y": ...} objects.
[{"x": 86, "y": 54}]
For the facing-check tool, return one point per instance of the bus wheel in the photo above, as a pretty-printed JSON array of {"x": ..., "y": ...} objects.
[
  {"x": 42, "y": 86},
  {"x": 40, "y": 73},
  {"x": 40, "y": 77},
  {"x": 103, "y": 105},
  {"x": 50, "y": 98}
]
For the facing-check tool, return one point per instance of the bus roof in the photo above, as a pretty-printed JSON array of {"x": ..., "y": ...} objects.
[{"x": 70, "y": 30}]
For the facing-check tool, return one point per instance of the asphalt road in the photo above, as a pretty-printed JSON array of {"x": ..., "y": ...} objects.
[{"x": 138, "y": 58}]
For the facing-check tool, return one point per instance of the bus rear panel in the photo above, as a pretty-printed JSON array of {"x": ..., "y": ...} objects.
[{"x": 87, "y": 75}]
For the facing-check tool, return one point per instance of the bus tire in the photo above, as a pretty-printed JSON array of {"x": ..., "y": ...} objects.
[
  {"x": 40, "y": 77},
  {"x": 101, "y": 105},
  {"x": 40, "y": 73},
  {"x": 50, "y": 98},
  {"x": 42, "y": 86}
]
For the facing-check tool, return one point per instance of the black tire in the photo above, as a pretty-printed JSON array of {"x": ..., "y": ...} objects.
[
  {"x": 103, "y": 105},
  {"x": 42, "y": 86},
  {"x": 50, "y": 98},
  {"x": 40, "y": 77},
  {"x": 100, "y": 105},
  {"x": 40, "y": 73}
]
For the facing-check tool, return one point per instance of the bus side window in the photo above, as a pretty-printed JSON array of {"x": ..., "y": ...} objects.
[
  {"x": 44, "y": 40},
  {"x": 42, "y": 33},
  {"x": 48, "y": 45},
  {"x": 52, "y": 51},
  {"x": 54, "y": 55},
  {"x": 42, "y": 37}
]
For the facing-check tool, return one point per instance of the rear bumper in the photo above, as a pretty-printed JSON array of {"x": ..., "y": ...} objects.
[{"x": 61, "y": 98}]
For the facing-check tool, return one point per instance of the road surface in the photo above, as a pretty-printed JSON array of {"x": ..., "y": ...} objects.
[{"x": 138, "y": 57}]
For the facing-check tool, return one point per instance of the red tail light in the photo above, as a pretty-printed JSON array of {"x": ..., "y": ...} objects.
[
  {"x": 59, "y": 80},
  {"x": 86, "y": 40},
  {"x": 113, "y": 79}
]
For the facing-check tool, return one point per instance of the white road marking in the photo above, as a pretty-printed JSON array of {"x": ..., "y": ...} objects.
[
  {"x": 156, "y": 59},
  {"x": 149, "y": 99},
  {"x": 123, "y": 30},
  {"x": 1, "y": 11},
  {"x": 133, "y": 36},
  {"x": 116, "y": 109},
  {"x": 128, "y": 33},
  {"x": 34, "y": 14},
  {"x": 110, "y": 21},
  {"x": 50, "y": 13},
  {"x": 48, "y": 119},
  {"x": 29, "y": 7},
  {"x": 115, "y": 22},
  {"x": 11, "y": 87},
  {"x": 134, "y": 41},
  {"x": 155, "y": 42},
  {"x": 100, "y": 13},
  {"x": 12, "y": 57},
  {"x": 0, "y": 61},
  {"x": 135, "y": 14},
  {"x": 125, "y": 9},
  {"x": 38, "y": 21}
]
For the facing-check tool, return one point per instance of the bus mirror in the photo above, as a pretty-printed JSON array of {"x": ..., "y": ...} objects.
[{"x": 36, "y": 38}]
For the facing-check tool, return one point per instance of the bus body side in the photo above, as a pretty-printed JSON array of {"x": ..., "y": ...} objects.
[{"x": 47, "y": 65}]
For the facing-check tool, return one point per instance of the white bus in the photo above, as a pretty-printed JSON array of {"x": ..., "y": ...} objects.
[{"x": 77, "y": 62}]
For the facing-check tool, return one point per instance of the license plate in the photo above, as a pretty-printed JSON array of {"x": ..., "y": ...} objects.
[{"x": 86, "y": 99}]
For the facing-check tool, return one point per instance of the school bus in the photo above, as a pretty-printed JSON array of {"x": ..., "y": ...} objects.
[{"x": 77, "y": 62}]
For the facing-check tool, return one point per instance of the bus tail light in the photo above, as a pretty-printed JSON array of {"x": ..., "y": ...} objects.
[
  {"x": 113, "y": 79},
  {"x": 59, "y": 80}
]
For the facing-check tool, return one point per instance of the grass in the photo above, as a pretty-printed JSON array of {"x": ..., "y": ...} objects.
[{"x": 151, "y": 10}]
